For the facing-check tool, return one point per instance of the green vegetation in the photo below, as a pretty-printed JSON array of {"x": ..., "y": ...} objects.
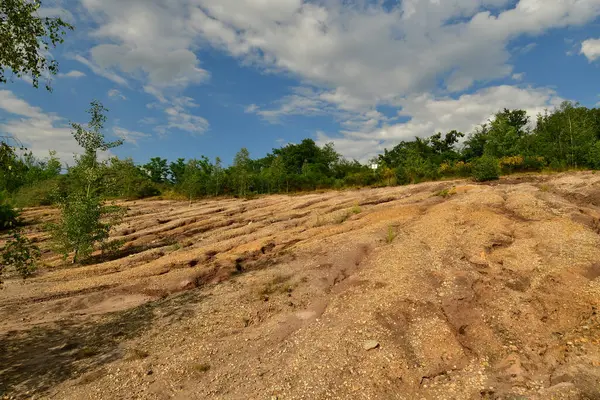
[
  {"x": 486, "y": 168},
  {"x": 391, "y": 234},
  {"x": 446, "y": 192},
  {"x": 565, "y": 138},
  {"x": 20, "y": 254},
  {"x": 85, "y": 220},
  {"x": 26, "y": 38}
]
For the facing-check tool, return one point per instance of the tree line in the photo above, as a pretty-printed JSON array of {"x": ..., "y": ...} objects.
[{"x": 564, "y": 138}]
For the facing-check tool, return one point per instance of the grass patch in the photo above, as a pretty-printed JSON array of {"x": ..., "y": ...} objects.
[
  {"x": 545, "y": 188},
  {"x": 356, "y": 209},
  {"x": 391, "y": 234},
  {"x": 279, "y": 284},
  {"x": 445, "y": 193},
  {"x": 174, "y": 247}
]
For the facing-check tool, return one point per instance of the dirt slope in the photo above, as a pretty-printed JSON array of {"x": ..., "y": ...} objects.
[{"x": 491, "y": 292}]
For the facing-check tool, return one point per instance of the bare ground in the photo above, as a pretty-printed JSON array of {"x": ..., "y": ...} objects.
[{"x": 492, "y": 292}]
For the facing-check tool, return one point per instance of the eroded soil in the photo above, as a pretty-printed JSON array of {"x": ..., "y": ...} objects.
[{"x": 492, "y": 292}]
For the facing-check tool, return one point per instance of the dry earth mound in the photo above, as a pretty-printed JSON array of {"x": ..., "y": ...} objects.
[{"x": 435, "y": 291}]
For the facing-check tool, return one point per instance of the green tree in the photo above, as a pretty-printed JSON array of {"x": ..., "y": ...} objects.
[
  {"x": 92, "y": 139},
  {"x": 177, "y": 169},
  {"x": 506, "y": 133},
  {"x": 157, "y": 169},
  {"x": 26, "y": 37},
  {"x": 242, "y": 171},
  {"x": 85, "y": 220},
  {"x": 277, "y": 174},
  {"x": 122, "y": 178}
]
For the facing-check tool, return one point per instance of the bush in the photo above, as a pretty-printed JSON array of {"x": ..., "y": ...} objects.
[
  {"x": 20, "y": 253},
  {"x": 486, "y": 168},
  {"x": 593, "y": 158},
  {"x": 84, "y": 222},
  {"x": 511, "y": 164},
  {"x": 147, "y": 189},
  {"x": 36, "y": 195},
  {"x": 8, "y": 214},
  {"x": 458, "y": 168},
  {"x": 534, "y": 163}
]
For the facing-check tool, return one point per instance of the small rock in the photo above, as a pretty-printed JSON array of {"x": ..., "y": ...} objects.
[
  {"x": 371, "y": 344},
  {"x": 149, "y": 372}
]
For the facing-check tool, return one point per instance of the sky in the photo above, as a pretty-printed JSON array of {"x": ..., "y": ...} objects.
[{"x": 185, "y": 78}]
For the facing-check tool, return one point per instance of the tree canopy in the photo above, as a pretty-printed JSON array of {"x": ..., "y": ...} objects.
[{"x": 26, "y": 38}]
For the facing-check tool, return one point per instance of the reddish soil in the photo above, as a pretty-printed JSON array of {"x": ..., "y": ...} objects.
[{"x": 489, "y": 292}]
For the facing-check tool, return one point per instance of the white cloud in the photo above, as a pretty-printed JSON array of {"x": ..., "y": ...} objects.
[
  {"x": 39, "y": 131},
  {"x": 527, "y": 48},
  {"x": 116, "y": 94},
  {"x": 519, "y": 76},
  {"x": 179, "y": 117},
  {"x": 351, "y": 56},
  {"x": 251, "y": 109},
  {"x": 110, "y": 75},
  {"x": 427, "y": 115},
  {"x": 591, "y": 49},
  {"x": 150, "y": 40},
  {"x": 374, "y": 53},
  {"x": 72, "y": 74},
  {"x": 129, "y": 136},
  {"x": 368, "y": 51}
]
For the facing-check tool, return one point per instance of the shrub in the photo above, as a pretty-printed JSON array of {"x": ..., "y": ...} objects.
[
  {"x": 459, "y": 168},
  {"x": 36, "y": 195},
  {"x": 512, "y": 163},
  {"x": 20, "y": 254},
  {"x": 85, "y": 221},
  {"x": 8, "y": 214},
  {"x": 486, "y": 168},
  {"x": 445, "y": 193},
  {"x": 534, "y": 163},
  {"x": 147, "y": 189}
]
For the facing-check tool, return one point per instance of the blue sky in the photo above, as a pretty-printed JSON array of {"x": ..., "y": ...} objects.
[{"x": 184, "y": 78}]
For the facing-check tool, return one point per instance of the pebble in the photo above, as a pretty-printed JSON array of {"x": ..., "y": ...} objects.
[{"x": 371, "y": 344}]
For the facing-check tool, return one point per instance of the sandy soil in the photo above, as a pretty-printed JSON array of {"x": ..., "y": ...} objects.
[{"x": 490, "y": 292}]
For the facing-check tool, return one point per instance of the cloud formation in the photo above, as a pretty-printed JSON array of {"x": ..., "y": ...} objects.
[
  {"x": 351, "y": 56},
  {"x": 591, "y": 49},
  {"x": 39, "y": 131}
]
